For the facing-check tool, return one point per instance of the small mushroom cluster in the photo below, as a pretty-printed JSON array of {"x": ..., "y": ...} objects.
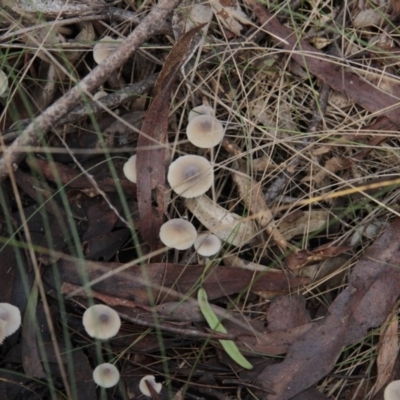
[
  {"x": 10, "y": 320},
  {"x": 102, "y": 322},
  {"x": 191, "y": 176},
  {"x": 180, "y": 234}
]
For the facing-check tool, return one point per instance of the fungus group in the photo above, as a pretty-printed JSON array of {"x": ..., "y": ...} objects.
[{"x": 192, "y": 176}]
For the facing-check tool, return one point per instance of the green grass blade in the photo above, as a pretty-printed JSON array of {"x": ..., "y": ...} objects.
[{"x": 215, "y": 324}]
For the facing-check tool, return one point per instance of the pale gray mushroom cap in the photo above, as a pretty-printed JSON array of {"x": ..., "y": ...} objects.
[
  {"x": 104, "y": 48},
  {"x": 200, "y": 110},
  {"x": 106, "y": 375},
  {"x": 178, "y": 234},
  {"x": 152, "y": 380},
  {"x": 2, "y": 331},
  {"x": 3, "y": 84},
  {"x": 11, "y": 316},
  {"x": 392, "y": 391},
  {"x": 207, "y": 244},
  {"x": 205, "y": 131},
  {"x": 101, "y": 322},
  {"x": 190, "y": 176},
  {"x": 130, "y": 170}
]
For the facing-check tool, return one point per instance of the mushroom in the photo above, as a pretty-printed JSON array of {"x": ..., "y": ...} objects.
[
  {"x": 3, "y": 84},
  {"x": 106, "y": 375},
  {"x": 2, "y": 331},
  {"x": 100, "y": 94},
  {"x": 101, "y": 321},
  {"x": 200, "y": 110},
  {"x": 104, "y": 48},
  {"x": 205, "y": 131},
  {"x": 152, "y": 381},
  {"x": 129, "y": 169},
  {"x": 392, "y": 391},
  {"x": 10, "y": 316},
  {"x": 190, "y": 176},
  {"x": 178, "y": 234},
  {"x": 207, "y": 244}
]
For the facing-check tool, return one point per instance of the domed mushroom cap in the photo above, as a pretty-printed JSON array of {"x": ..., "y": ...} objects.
[
  {"x": 11, "y": 316},
  {"x": 101, "y": 321},
  {"x": 392, "y": 391},
  {"x": 190, "y": 176},
  {"x": 200, "y": 110},
  {"x": 3, "y": 83},
  {"x": 207, "y": 244},
  {"x": 104, "y": 48},
  {"x": 106, "y": 375},
  {"x": 99, "y": 95},
  {"x": 2, "y": 331},
  {"x": 130, "y": 170},
  {"x": 205, "y": 131},
  {"x": 152, "y": 381},
  {"x": 178, "y": 234}
]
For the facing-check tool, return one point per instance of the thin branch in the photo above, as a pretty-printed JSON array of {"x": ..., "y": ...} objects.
[{"x": 31, "y": 135}]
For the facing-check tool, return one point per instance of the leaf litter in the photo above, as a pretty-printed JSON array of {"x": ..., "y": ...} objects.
[{"x": 305, "y": 281}]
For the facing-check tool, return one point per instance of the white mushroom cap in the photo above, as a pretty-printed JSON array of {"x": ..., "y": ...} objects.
[
  {"x": 3, "y": 83},
  {"x": 106, "y": 375},
  {"x": 101, "y": 321},
  {"x": 2, "y": 331},
  {"x": 129, "y": 169},
  {"x": 205, "y": 131},
  {"x": 200, "y": 110},
  {"x": 392, "y": 391},
  {"x": 98, "y": 95},
  {"x": 178, "y": 234},
  {"x": 207, "y": 244},
  {"x": 11, "y": 316},
  {"x": 152, "y": 380},
  {"x": 104, "y": 48},
  {"x": 190, "y": 176}
]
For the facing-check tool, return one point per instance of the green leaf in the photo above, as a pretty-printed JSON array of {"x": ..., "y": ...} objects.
[{"x": 216, "y": 325}]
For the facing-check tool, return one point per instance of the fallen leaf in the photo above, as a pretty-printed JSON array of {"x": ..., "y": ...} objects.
[
  {"x": 230, "y": 14},
  {"x": 371, "y": 294},
  {"x": 388, "y": 349}
]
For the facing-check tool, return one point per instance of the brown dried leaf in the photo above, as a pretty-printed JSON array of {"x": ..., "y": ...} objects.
[
  {"x": 370, "y": 296},
  {"x": 171, "y": 282},
  {"x": 331, "y": 166},
  {"x": 230, "y": 14},
  {"x": 388, "y": 351},
  {"x": 287, "y": 312},
  {"x": 307, "y": 221},
  {"x": 303, "y": 258}
]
